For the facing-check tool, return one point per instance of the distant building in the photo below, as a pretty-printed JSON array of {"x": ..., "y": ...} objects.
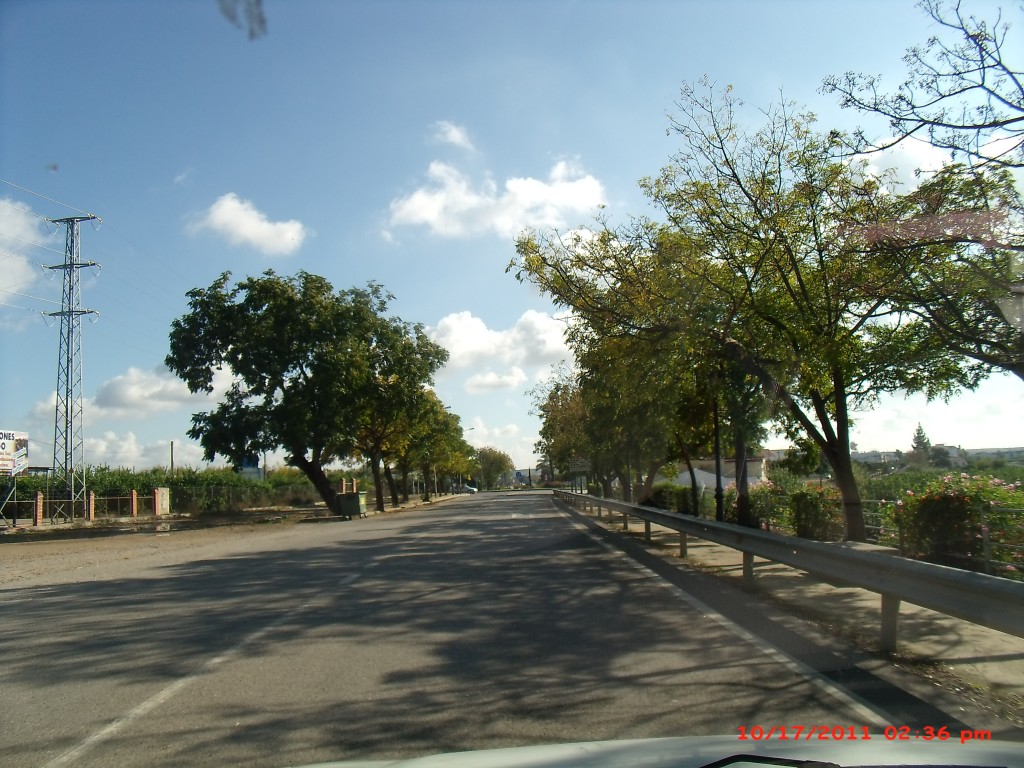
[
  {"x": 704, "y": 469},
  {"x": 1010, "y": 454}
]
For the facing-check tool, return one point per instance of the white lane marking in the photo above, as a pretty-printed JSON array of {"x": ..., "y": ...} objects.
[
  {"x": 165, "y": 694},
  {"x": 864, "y": 709}
]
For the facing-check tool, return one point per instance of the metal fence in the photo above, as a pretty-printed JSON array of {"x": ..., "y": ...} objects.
[
  {"x": 994, "y": 544},
  {"x": 974, "y": 597}
]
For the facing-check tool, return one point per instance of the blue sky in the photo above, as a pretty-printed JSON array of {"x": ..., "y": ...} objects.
[{"x": 401, "y": 142}]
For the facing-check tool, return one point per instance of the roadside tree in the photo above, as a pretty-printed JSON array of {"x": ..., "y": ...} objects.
[
  {"x": 964, "y": 90},
  {"x": 493, "y": 463},
  {"x": 307, "y": 367}
]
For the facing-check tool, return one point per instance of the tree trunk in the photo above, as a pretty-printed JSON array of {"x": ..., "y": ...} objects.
[
  {"x": 315, "y": 473},
  {"x": 378, "y": 482},
  {"x": 743, "y": 513},
  {"x": 648, "y": 483},
  {"x": 694, "y": 495},
  {"x": 426, "y": 481},
  {"x": 392, "y": 486},
  {"x": 853, "y": 508},
  {"x": 837, "y": 451},
  {"x": 405, "y": 482}
]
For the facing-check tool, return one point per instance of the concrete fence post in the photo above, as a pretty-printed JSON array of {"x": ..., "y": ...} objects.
[
  {"x": 161, "y": 502},
  {"x": 90, "y": 506},
  {"x": 37, "y": 510},
  {"x": 133, "y": 502}
]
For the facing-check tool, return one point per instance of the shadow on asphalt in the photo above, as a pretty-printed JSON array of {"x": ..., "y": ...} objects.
[{"x": 514, "y": 644}]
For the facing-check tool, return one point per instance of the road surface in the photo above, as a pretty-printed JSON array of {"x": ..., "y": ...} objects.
[{"x": 486, "y": 621}]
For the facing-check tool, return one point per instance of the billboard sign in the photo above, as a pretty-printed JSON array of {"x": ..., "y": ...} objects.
[
  {"x": 13, "y": 452},
  {"x": 579, "y": 466}
]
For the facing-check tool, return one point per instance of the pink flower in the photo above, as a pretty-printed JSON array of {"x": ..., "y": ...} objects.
[{"x": 964, "y": 476}]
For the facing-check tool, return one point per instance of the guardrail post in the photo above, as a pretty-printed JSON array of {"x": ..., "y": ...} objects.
[
  {"x": 90, "y": 506},
  {"x": 748, "y": 566},
  {"x": 625, "y": 520},
  {"x": 37, "y": 510},
  {"x": 647, "y": 530},
  {"x": 890, "y": 622},
  {"x": 133, "y": 503}
]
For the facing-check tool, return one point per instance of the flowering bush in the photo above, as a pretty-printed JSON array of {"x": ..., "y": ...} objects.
[{"x": 972, "y": 522}]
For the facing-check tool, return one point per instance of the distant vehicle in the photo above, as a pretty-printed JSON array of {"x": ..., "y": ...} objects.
[{"x": 468, "y": 489}]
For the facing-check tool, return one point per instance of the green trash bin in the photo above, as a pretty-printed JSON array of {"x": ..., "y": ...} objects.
[{"x": 351, "y": 505}]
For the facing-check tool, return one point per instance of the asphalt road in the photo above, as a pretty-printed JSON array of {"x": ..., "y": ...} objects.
[{"x": 486, "y": 621}]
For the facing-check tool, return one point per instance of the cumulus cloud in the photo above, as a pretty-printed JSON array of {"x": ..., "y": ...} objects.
[
  {"x": 451, "y": 205},
  {"x": 21, "y": 228},
  {"x": 241, "y": 223},
  {"x": 908, "y": 159},
  {"x": 489, "y": 381},
  {"x": 446, "y": 132},
  {"x": 136, "y": 394},
  {"x": 126, "y": 450},
  {"x": 535, "y": 339}
]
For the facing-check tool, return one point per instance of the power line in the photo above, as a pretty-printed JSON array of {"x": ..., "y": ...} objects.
[
  {"x": 18, "y": 257},
  {"x": 29, "y": 296},
  {"x": 51, "y": 200},
  {"x": 15, "y": 306},
  {"x": 29, "y": 242},
  {"x": 24, "y": 210}
]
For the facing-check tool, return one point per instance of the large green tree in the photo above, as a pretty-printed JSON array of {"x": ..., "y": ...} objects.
[
  {"x": 401, "y": 362},
  {"x": 493, "y": 463},
  {"x": 307, "y": 365},
  {"x": 765, "y": 259}
]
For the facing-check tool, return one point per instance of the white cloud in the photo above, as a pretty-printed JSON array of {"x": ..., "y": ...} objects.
[
  {"x": 125, "y": 450},
  {"x": 241, "y": 223},
  {"x": 535, "y": 339},
  {"x": 135, "y": 394},
  {"x": 908, "y": 159},
  {"x": 489, "y": 381},
  {"x": 451, "y": 206},
  {"x": 184, "y": 176},
  {"x": 447, "y": 132},
  {"x": 18, "y": 267}
]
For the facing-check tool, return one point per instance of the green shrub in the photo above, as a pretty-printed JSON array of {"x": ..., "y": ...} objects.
[
  {"x": 670, "y": 497},
  {"x": 772, "y": 507},
  {"x": 818, "y": 513}
]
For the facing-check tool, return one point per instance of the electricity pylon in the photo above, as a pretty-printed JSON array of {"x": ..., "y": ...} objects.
[{"x": 68, "y": 444}]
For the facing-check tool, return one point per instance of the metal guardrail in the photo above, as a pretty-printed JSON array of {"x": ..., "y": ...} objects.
[{"x": 975, "y": 597}]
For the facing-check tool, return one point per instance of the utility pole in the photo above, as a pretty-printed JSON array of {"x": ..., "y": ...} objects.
[{"x": 68, "y": 444}]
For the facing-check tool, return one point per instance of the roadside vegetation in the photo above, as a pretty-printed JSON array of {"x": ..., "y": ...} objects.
[{"x": 788, "y": 280}]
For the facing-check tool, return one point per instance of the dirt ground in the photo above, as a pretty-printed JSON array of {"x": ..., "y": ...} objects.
[{"x": 26, "y": 562}]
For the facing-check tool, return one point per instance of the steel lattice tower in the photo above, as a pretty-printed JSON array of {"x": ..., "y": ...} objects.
[{"x": 68, "y": 444}]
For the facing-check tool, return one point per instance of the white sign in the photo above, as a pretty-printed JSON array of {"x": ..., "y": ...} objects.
[{"x": 13, "y": 452}]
